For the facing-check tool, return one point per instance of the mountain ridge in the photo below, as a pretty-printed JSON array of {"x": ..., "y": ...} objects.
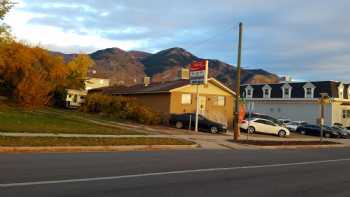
[{"x": 129, "y": 67}]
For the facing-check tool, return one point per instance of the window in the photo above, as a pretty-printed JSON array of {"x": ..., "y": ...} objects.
[
  {"x": 186, "y": 99},
  {"x": 346, "y": 113},
  {"x": 309, "y": 90},
  {"x": 265, "y": 122},
  {"x": 286, "y": 92},
  {"x": 341, "y": 95},
  {"x": 220, "y": 101},
  {"x": 82, "y": 97},
  {"x": 266, "y": 91},
  {"x": 249, "y": 92}
]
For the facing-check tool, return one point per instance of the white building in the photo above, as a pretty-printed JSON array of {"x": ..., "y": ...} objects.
[
  {"x": 76, "y": 97},
  {"x": 301, "y": 100}
]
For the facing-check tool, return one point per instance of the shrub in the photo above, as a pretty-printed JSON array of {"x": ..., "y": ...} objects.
[{"x": 121, "y": 108}]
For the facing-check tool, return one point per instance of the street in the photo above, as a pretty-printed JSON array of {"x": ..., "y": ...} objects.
[{"x": 316, "y": 172}]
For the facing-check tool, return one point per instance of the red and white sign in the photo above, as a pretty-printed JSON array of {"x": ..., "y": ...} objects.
[{"x": 199, "y": 72}]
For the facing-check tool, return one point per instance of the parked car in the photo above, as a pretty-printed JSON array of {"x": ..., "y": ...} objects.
[
  {"x": 264, "y": 126},
  {"x": 309, "y": 129},
  {"x": 262, "y": 116},
  {"x": 344, "y": 133},
  {"x": 293, "y": 126},
  {"x": 182, "y": 121},
  {"x": 284, "y": 121}
]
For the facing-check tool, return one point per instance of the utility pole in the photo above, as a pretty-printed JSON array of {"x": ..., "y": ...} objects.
[
  {"x": 324, "y": 96},
  {"x": 236, "y": 129}
]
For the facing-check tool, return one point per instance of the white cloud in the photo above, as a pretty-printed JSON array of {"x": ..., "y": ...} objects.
[{"x": 55, "y": 37}]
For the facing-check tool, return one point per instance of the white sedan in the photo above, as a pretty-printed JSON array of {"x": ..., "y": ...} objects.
[{"x": 264, "y": 126}]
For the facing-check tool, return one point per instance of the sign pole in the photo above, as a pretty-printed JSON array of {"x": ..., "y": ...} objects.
[
  {"x": 197, "y": 108},
  {"x": 198, "y": 76}
]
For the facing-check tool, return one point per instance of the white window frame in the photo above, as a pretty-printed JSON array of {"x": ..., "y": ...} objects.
[
  {"x": 309, "y": 86},
  {"x": 247, "y": 89},
  {"x": 268, "y": 88},
  {"x": 186, "y": 98},
  {"x": 284, "y": 87},
  {"x": 341, "y": 91}
]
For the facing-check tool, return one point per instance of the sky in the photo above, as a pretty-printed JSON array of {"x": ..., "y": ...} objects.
[{"x": 307, "y": 40}]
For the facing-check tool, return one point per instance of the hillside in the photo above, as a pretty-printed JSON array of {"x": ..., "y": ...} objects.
[
  {"x": 165, "y": 65},
  {"x": 129, "y": 68},
  {"x": 119, "y": 66}
]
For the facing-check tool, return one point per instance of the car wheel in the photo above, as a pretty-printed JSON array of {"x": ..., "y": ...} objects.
[
  {"x": 213, "y": 130},
  {"x": 282, "y": 133},
  {"x": 179, "y": 125},
  {"x": 251, "y": 130},
  {"x": 327, "y": 135},
  {"x": 302, "y": 132}
]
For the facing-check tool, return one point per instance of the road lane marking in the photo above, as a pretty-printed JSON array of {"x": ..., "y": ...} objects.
[{"x": 168, "y": 173}]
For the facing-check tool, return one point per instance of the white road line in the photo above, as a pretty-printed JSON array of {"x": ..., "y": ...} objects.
[{"x": 169, "y": 173}]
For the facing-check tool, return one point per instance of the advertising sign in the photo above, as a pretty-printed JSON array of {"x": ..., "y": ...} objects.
[{"x": 199, "y": 72}]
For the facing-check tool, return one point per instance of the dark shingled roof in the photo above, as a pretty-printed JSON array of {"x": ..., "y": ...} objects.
[
  {"x": 164, "y": 87},
  {"x": 330, "y": 87}
]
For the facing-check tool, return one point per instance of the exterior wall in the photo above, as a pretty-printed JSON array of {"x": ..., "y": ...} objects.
[
  {"x": 92, "y": 83},
  {"x": 294, "y": 110},
  {"x": 159, "y": 102},
  {"x": 223, "y": 114},
  {"x": 337, "y": 113},
  {"x": 75, "y": 97}
]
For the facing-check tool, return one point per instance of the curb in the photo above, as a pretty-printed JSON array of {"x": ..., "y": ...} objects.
[
  {"x": 285, "y": 147},
  {"x": 45, "y": 149}
]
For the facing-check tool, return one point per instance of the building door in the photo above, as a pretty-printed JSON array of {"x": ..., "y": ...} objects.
[{"x": 202, "y": 105}]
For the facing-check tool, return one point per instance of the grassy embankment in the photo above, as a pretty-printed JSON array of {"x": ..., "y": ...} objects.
[
  {"x": 17, "y": 120},
  {"x": 14, "y": 119}
]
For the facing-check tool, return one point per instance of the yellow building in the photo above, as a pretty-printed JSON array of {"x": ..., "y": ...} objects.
[{"x": 177, "y": 97}]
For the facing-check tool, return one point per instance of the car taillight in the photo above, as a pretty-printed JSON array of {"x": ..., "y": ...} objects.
[{"x": 243, "y": 121}]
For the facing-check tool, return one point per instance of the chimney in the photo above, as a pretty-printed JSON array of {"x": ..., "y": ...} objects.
[
  {"x": 285, "y": 79},
  {"x": 146, "y": 81},
  {"x": 184, "y": 73}
]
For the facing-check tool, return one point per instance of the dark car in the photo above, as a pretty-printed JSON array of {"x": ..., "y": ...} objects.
[
  {"x": 343, "y": 132},
  {"x": 309, "y": 129},
  {"x": 185, "y": 121}
]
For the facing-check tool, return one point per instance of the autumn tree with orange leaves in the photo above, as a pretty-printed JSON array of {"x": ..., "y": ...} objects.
[{"x": 32, "y": 75}]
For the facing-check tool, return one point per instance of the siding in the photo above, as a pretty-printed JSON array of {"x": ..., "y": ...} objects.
[
  {"x": 223, "y": 114},
  {"x": 159, "y": 102},
  {"x": 308, "y": 112}
]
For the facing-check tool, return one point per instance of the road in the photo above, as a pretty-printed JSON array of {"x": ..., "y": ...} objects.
[{"x": 324, "y": 172}]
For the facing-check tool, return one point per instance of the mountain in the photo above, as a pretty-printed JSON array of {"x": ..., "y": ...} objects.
[
  {"x": 117, "y": 65},
  {"x": 166, "y": 64},
  {"x": 139, "y": 55},
  {"x": 129, "y": 68}
]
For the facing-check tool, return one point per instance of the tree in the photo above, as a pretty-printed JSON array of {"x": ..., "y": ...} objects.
[
  {"x": 78, "y": 70},
  {"x": 31, "y": 74},
  {"x": 5, "y": 6}
]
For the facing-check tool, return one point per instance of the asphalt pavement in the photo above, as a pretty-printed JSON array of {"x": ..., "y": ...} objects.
[{"x": 314, "y": 172}]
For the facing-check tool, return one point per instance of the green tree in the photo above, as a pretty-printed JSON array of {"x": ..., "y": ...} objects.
[{"x": 5, "y": 7}]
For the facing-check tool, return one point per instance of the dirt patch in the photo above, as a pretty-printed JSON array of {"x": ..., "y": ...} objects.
[{"x": 284, "y": 143}]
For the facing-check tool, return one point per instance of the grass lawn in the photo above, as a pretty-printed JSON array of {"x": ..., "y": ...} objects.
[
  {"x": 85, "y": 141},
  {"x": 13, "y": 119}
]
